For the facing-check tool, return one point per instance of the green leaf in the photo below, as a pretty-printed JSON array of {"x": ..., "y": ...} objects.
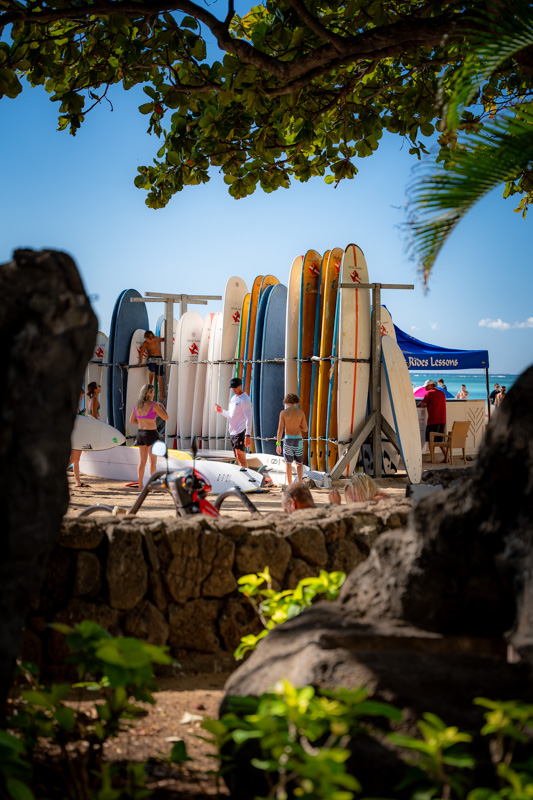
[
  {"x": 178, "y": 754},
  {"x": 18, "y": 790}
]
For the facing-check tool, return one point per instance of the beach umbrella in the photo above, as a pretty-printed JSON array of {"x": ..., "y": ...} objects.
[{"x": 420, "y": 391}]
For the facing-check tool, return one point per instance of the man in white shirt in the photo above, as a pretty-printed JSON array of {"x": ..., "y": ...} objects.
[{"x": 239, "y": 415}]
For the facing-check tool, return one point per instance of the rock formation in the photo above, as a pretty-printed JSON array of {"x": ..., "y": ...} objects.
[{"x": 48, "y": 332}]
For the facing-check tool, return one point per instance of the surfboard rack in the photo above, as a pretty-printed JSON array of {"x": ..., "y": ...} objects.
[{"x": 374, "y": 423}]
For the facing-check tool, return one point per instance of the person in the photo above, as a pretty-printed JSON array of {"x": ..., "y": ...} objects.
[
  {"x": 239, "y": 415},
  {"x": 501, "y": 396},
  {"x": 292, "y": 421},
  {"x": 495, "y": 392},
  {"x": 360, "y": 489},
  {"x": 74, "y": 459},
  {"x": 93, "y": 406},
  {"x": 144, "y": 415},
  {"x": 295, "y": 497},
  {"x": 463, "y": 394},
  {"x": 441, "y": 385},
  {"x": 152, "y": 348},
  {"x": 435, "y": 402}
]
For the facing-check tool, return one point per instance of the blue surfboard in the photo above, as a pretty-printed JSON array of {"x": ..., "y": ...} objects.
[
  {"x": 130, "y": 316},
  {"x": 255, "y": 393},
  {"x": 331, "y": 449},
  {"x": 110, "y": 360},
  {"x": 272, "y": 383}
]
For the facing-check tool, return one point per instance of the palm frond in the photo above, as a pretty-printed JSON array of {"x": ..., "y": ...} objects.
[
  {"x": 500, "y": 35},
  {"x": 492, "y": 157}
]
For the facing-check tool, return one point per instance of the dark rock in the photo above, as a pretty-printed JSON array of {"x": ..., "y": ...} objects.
[
  {"x": 202, "y": 564},
  {"x": 238, "y": 618},
  {"x": 344, "y": 556},
  {"x": 193, "y": 626},
  {"x": 146, "y": 622},
  {"x": 309, "y": 544},
  {"x": 58, "y": 582},
  {"x": 81, "y": 534},
  {"x": 157, "y": 591},
  {"x": 297, "y": 571},
  {"x": 151, "y": 549},
  {"x": 257, "y": 551},
  {"x": 88, "y": 577},
  {"x": 77, "y": 611},
  {"x": 126, "y": 571},
  {"x": 48, "y": 331}
]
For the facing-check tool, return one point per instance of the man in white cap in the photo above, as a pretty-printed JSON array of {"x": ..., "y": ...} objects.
[
  {"x": 435, "y": 401},
  {"x": 239, "y": 415}
]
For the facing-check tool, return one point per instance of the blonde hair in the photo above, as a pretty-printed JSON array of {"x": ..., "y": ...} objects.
[
  {"x": 360, "y": 488},
  {"x": 143, "y": 395}
]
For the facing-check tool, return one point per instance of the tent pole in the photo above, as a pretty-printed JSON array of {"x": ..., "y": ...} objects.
[{"x": 488, "y": 390}]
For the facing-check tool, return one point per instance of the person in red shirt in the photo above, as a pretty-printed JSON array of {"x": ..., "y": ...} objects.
[{"x": 435, "y": 402}]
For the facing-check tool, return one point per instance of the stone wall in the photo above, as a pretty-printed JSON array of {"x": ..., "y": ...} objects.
[{"x": 175, "y": 583}]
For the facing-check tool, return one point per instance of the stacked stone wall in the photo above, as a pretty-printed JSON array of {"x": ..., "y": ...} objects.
[{"x": 175, "y": 583}]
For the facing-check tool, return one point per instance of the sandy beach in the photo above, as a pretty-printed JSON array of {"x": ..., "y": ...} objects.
[{"x": 159, "y": 504}]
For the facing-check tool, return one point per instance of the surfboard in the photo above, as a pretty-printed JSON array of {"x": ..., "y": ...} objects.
[
  {"x": 306, "y": 330},
  {"x": 390, "y": 458},
  {"x": 93, "y": 434},
  {"x": 354, "y": 343},
  {"x": 200, "y": 382},
  {"x": 95, "y": 371},
  {"x": 157, "y": 329},
  {"x": 294, "y": 290},
  {"x": 190, "y": 335},
  {"x": 172, "y": 391},
  {"x": 110, "y": 358},
  {"x": 130, "y": 316},
  {"x": 121, "y": 464},
  {"x": 403, "y": 407},
  {"x": 332, "y": 449},
  {"x": 137, "y": 378},
  {"x": 234, "y": 295},
  {"x": 256, "y": 369},
  {"x": 327, "y": 327},
  {"x": 313, "y": 404},
  {"x": 272, "y": 380},
  {"x": 250, "y": 332},
  {"x": 241, "y": 342},
  {"x": 213, "y": 385}
]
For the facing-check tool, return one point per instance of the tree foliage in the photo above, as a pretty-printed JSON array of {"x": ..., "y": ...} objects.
[
  {"x": 501, "y": 152},
  {"x": 295, "y": 88}
]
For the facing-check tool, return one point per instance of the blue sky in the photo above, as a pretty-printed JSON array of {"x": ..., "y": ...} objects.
[{"x": 77, "y": 194}]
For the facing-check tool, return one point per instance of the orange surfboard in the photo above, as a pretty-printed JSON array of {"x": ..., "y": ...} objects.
[{"x": 306, "y": 330}]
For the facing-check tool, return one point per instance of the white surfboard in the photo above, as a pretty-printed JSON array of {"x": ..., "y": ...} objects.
[
  {"x": 213, "y": 382},
  {"x": 95, "y": 371},
  {"x": 137, "y": 378},
  {"x": 273, "y": 466},
  {"x": 291, "y": 329},
  {"x": 121, "y": 464},
  {"x": 190, "y": 334},
  {"x": 234, "y": 294},
  {"x": 172, "y": 393},
  {"x": 403, "y": 407},
  {"x": 200, "y": 383},
  {"x": 354, "y": 342},
  {"x": 93, "y": 434}
]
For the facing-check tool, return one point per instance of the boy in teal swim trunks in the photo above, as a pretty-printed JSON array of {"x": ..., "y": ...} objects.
[{"x": 292, "y": 420}]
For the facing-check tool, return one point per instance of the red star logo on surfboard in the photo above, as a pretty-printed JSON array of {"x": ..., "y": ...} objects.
[
  {"x": 355, "y": 277},
  {"x": 384, "y": 331},
  {"x": 193, "y": 349},
  {"x": 313, "y": 269},
  {"x": 99, "y": 352},
  {"x": 236, "y": 317}
]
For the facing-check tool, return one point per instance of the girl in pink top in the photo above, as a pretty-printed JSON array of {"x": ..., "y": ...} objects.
[{"x": 144, "y": 414}]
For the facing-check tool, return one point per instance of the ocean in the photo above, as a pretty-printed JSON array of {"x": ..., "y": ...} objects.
[{"x": 476, "y": 383}]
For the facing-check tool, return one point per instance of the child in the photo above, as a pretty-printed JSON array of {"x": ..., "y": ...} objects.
[
  {"x": 293, "y": 421},
  {"x": 152, "y": 348},
  {"x": 360, "y": 489}
]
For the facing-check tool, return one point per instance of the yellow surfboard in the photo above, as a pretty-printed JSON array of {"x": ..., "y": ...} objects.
[
  {"x": 330, "y": 270},
  {"x": 250, "y": 332},
  {"x": 241, "y": 342},
  {"x": 306, "y": 330},
  {"x": 313, "y": 402}
]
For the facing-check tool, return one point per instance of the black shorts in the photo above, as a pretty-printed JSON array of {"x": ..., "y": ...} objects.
[
  {"x": 436, "y": 427},
  {"x": 155, "y": 364},
  {"x": 146, "y": 438},
  {"x": 237, "y": 441}
]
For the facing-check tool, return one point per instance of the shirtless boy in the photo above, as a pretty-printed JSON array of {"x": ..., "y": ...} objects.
[
  {"x": 152, "y": 347},
  {"x": 293, "y": 421}
]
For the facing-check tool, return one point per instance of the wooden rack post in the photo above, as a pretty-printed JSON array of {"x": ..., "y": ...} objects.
[{"x": 374, "y": 424}]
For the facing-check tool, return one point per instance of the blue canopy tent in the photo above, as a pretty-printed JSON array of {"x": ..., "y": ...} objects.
[{"x": 422, "y": 356}]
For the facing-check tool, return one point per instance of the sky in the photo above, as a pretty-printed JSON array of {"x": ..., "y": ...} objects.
[{"x": 76, "y": 194}]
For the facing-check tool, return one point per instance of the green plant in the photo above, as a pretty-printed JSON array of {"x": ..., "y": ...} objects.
[
  {"x": 273, "y": 607},
  {"x": 299, "y": 738},
  {"x": 115, "y": 670}
]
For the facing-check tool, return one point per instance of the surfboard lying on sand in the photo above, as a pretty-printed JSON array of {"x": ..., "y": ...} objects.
[
  {"x": 121, "y": 463},
  {"x": 93, "y": 434}
]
